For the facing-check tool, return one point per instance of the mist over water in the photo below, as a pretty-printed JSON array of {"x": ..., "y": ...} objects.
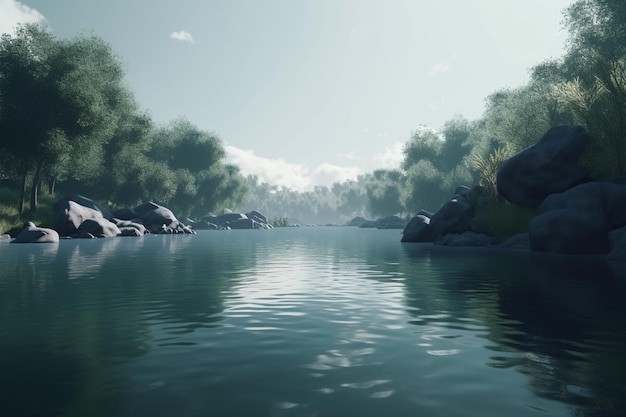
[{"x": 306, "y": 322}]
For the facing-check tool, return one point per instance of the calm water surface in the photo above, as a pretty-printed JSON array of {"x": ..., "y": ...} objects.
[{"x": 306, "y": 322}]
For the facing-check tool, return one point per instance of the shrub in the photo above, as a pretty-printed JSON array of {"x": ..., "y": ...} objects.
[{"x": 504, "y": 220}]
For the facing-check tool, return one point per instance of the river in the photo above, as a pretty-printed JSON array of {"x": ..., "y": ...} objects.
[{"x": 328, "y": 321}]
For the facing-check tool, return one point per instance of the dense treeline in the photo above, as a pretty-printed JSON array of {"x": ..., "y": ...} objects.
[
  {"x": 67, "y": 118},
  {"x": 66, "y": 115}
]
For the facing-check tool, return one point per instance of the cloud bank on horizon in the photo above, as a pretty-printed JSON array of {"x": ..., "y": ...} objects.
[{"x": 299, "y": 177}]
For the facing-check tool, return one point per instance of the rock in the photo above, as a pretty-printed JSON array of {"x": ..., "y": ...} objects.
[
  {"x": 417, "y": 230},
  {"x": 125, "y": 214},
  {"x": 369, "y": 224},
  {"x": 468, "y": 238},
  {"x": 247, "y": 224},
  {"x": 232, "y": 220},
  {"x": 159, "y": 215},
  {"x": 130, "y": 231},
  {"x": 129, "y": 224},
  {"x": 145, "y": 207},
  {"x": 85, "y": 202},
  {"x": 579, "y": 220},
  {"x": 453, "y": 217},
  {"x": 617, "y": 239},
  {"x": 356, "y": 221},
  {"x": 552, "y": 165},
  {"x": 519, "y": 241},
  {"x": 34, "y": 234},
  {"x": 257, "y": 217},
  {"x": 203, "y": 225},
  {"x": 99, "y": 227},
  {"x": 390, "y": 222},
  {"x": 227, "y": 218},
  {"x": 462, "y": 191},
  {"x": 160, "y": 220},
  {"x": 69, "y": 215}
]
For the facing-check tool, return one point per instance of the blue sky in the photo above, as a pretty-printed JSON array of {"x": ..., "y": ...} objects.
[{"x": 307, "y": 92}]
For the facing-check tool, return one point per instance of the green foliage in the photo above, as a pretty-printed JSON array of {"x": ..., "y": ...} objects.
[
  {"x": 280, "y": 222},
  {"x": 600, "y": 106},
  {"x": 323, "y": 205},
  {"x": 424, "y": 144},
  {"x": 518, "y": 118},
  {"x": 383, "y": 191},
  {"x": 504, "y": 220},
  {"x": 12, "y": 221},
  {"x": 488, "y": 167},
  {"x": 60, "y": 98}
]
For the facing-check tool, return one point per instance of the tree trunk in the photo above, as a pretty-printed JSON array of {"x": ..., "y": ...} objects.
[
  {"x": 35, "y": 188},
  {"x": 22, "y": 193},
  {"x": 51, "y": 184}
]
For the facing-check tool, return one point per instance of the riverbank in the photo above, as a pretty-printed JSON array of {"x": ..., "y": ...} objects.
[{"x": 12, "y": 221}]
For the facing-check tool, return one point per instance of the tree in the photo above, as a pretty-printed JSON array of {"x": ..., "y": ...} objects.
[
  {"x": 383, "y": 192},
  {"x": 59, "y": 98},
  {"x": 597, "y": 25},
  {"x": 183, "y": 146},
  {"x": 425, "y": 144}
]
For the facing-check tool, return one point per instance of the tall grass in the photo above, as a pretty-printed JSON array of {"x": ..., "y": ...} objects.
[
  {"x": 600, "y": 107},
  {"x": 12, "y": 221}
]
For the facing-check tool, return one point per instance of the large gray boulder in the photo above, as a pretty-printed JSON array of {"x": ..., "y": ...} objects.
[
  {"x": 34, "y": 234},
  {"x": 552, "y": 165},
  {"x": 160, "y": 220},
  {"x": 579, "y": 220},
  {"x": 99, "y": 227},
  {"x": 454, "y": 216},
  {"x": 418, "y": 230},
  {"x": 69, "y": 215}
]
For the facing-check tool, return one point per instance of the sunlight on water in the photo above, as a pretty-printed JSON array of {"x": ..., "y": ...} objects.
[{"x": 305, "y": 322}]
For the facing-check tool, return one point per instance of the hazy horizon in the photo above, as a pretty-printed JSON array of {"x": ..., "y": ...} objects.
[{"x": 310, "y": 92}]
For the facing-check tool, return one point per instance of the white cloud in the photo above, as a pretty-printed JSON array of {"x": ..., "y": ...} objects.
[
  {"x": 272, "y": 171},
  {"x": 391, "y": 157},
  {"x": 182, "y": 35},
  {"x": 327, "y": 174},
  {"x": 278, "y": 172},
  {"x": 438, "y": 69},
  {"x": 13, "y": 12}
]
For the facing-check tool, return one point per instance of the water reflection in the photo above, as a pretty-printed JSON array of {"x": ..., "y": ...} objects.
[
  {"x": 557, "y": 320},
  {"x": 303, "y": 322}
]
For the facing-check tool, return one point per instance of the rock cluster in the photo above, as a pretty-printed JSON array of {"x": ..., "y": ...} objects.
[
  {"x": 388, "y": 222},
  {"x": 575, "y": 215},
  {"x": 80, "y": 217}
]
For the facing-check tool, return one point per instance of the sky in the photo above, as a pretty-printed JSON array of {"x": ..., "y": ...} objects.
[{"x": 309, "y": 92}]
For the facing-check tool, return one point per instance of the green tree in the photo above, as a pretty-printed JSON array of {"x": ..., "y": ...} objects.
[
  {"x": 60, "y": 102},
  {"x": 383, "y": 192}
]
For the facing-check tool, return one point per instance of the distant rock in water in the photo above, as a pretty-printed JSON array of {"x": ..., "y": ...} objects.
[
  {"x": 356, "y": 222},
  {"x": 160, "y": 220},
  {"x": 389, "y": 222},
  {"x": 233, "y": 220}
]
